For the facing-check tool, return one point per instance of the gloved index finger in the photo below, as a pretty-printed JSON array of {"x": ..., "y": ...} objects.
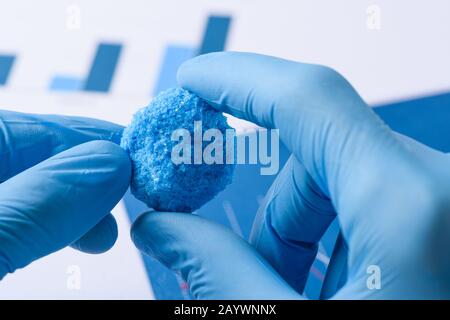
[
  {"x": 27, "y": 139},
  {"x": 56, "y": 202}
]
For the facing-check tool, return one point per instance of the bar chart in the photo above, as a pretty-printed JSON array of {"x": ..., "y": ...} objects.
[
  {"x": 100, "y": 75},
  {"x": 214, "y": 39}
]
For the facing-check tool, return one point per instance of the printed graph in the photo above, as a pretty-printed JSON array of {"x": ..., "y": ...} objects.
[
  {"x": 100, "y": 75},
  {"x": 214, "y": 39},
  {"x": 101, "y": 72}
]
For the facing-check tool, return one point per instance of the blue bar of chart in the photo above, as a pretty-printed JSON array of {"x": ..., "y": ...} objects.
[
  {"x": 216, "y": 33},
  {"x": 6, "y": 64},
  {"x": 214, "y": 39},
  {"x": 100, "y": 75},
  {"x": 103, "y": 67},
  {"x": 66, "y": 83}
]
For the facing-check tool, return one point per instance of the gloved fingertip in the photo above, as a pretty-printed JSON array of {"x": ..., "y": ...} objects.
[
  {"x": 201, "y": 251},
  {"x": 117, "y": 158},
  {"x": 108, "y": 147},
  {"x": 189, "y": 71},
  {"x": 100, "y": 238},
  {"x": 140, "y": 231}
]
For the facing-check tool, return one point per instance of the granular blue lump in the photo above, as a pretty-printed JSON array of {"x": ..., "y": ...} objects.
[{"x": 157, "y": 180}]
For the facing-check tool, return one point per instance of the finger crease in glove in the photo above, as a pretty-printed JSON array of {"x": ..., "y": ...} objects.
[{"x": 159, "y": 181}]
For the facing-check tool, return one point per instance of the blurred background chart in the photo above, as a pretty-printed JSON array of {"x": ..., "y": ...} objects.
[{"x": 106, "y": 59}]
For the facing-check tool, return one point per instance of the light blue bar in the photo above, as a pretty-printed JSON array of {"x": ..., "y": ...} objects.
[
  {"x": 174, "y": 56},
  {"x": 66, "y": 83}
]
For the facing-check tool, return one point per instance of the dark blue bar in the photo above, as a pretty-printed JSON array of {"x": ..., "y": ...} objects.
[
  {"x": 103, "y": 67},
  {"x": 6, "y": 63},
  {"x": 215, "y": 36}
]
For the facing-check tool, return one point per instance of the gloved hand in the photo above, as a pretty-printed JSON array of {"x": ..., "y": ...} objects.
[
  {"x": 57, "y": 187},
  {"x": 390, "y": 194}
]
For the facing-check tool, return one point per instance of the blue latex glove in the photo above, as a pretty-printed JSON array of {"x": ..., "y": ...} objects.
[
  {"x": 57, "y": 187},
  {"x": 390, "y": 194}
]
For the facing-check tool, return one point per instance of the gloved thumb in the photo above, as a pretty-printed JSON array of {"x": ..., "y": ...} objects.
[
  {"x": 216, "y": 263},
  {"x": 51, "y": 205}
]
